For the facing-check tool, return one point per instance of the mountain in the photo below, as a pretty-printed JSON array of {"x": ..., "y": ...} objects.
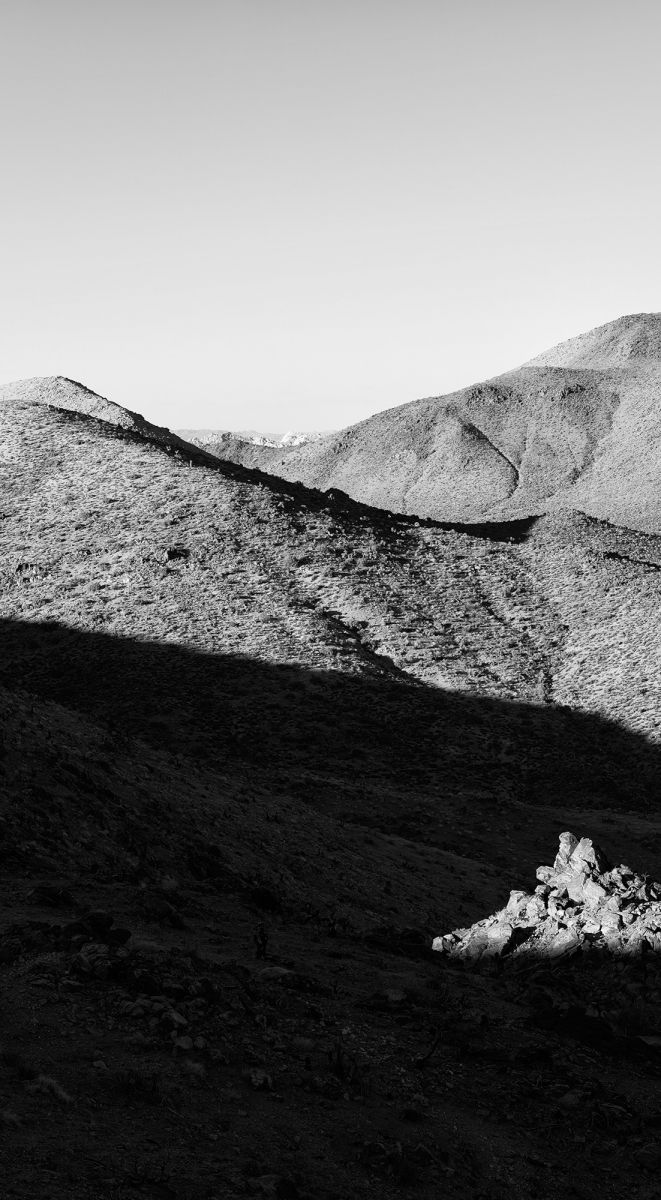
[
  {"x": 206, "y": 437},
  {"x": 578, "y": 427},
  {"x": 259, "y": 450},
  {"x": 259, "y": 745}
]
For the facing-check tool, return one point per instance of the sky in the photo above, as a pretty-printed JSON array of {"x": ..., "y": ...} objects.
[{"x": 290, "y": 214}]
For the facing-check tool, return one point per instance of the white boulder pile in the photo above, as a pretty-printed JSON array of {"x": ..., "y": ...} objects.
[{"x": 580, "y": 903}]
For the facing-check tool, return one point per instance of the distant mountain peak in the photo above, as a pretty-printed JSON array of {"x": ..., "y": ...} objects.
[{"x": 208, "y": 437}]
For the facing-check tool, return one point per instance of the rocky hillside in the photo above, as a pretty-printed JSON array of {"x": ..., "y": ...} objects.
[
  {"x": 578, "y": 427},
  {"x": 60, "y": 392},
  {"x": 258, "y": 744}
]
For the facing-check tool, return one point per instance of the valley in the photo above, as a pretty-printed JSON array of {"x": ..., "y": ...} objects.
[
  {"x": 261, "y": 744},
  {"x": 575, "y": 428}
]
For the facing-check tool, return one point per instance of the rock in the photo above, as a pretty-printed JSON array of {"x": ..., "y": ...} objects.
[
  {"x": 609, "y": 922},
  {"x": 474, "y": 947},
  {"x": 272, "y": 974},
  {"x": 499, "y": 935},
  {"x": 174, "y": 1019},
  {"x": 589, "y": 857},
  {"x": 535, "y": 909},
  {"x": 581, "y": 896},
  {"x": 565, "y": 942},
  {"x": 576, "y": 888},
  {"x": 556, "y": 907},
  {"x": 517, "y": 903},
  {"x": 594, "y": 892},
  {"x": 567, "y": 845},
  {"x": 445, "y": 943}
]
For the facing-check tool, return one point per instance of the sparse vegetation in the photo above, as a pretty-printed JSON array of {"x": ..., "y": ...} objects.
[{"x": 258, "y": 746}]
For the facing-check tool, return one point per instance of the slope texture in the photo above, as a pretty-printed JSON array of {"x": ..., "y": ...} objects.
[{"x": 578, "y": 427}]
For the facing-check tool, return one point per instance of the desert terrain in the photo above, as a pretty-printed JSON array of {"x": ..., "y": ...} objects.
[
  {"x": 577, "y": 427},
  {"x": 262, "y": 743}
]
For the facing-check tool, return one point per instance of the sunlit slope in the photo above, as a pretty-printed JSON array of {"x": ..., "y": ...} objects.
[
  {"x": 579, "y": 427},
  {"x": 105, "y": 527},
  {"x": 58, "y": 391}
]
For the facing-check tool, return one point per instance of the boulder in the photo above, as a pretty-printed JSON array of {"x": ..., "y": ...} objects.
[
  {"x": 566, "y": 848},
  {"x": 581, "y": 900}
]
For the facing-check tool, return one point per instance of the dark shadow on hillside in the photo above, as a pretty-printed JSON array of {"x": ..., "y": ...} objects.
[
  {"x": 387, "y": 755},
  {"x": 595, "y": 1000},
  {"x": 376, "y": 751}
]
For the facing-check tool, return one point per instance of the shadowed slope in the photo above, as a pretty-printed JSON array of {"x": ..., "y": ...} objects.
[
  {"x": 279, "y": 846},
  {"x": 472, "y": 778}
]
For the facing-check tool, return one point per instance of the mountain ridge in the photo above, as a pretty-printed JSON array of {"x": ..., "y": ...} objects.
[{"x": 577, "y": 427}]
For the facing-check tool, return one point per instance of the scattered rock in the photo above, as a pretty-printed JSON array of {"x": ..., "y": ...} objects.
[{"x": 581, "y": 902}]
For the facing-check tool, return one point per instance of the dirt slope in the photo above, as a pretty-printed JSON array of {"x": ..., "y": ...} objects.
[
  {"x": 578, "y": 427},
  {"x": 257, "y": 746}
]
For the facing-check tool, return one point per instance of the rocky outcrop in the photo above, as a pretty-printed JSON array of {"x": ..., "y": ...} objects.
[{"x": 581, "y": 902}]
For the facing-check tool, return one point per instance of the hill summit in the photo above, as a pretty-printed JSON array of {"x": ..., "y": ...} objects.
[
  {"x": 577, "y": 427},
  {"x": 629, "y": 341},
  {"x": 58, "y": 391}
]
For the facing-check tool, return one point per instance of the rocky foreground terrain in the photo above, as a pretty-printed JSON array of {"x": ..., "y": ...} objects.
[
  {"x": 581, "y": 903},
  {"x": 578, "y": 427},
  {"x": 260, "y": 746}
]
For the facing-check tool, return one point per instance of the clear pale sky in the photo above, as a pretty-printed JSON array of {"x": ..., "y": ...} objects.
[{"x": 282, "y": 214}]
